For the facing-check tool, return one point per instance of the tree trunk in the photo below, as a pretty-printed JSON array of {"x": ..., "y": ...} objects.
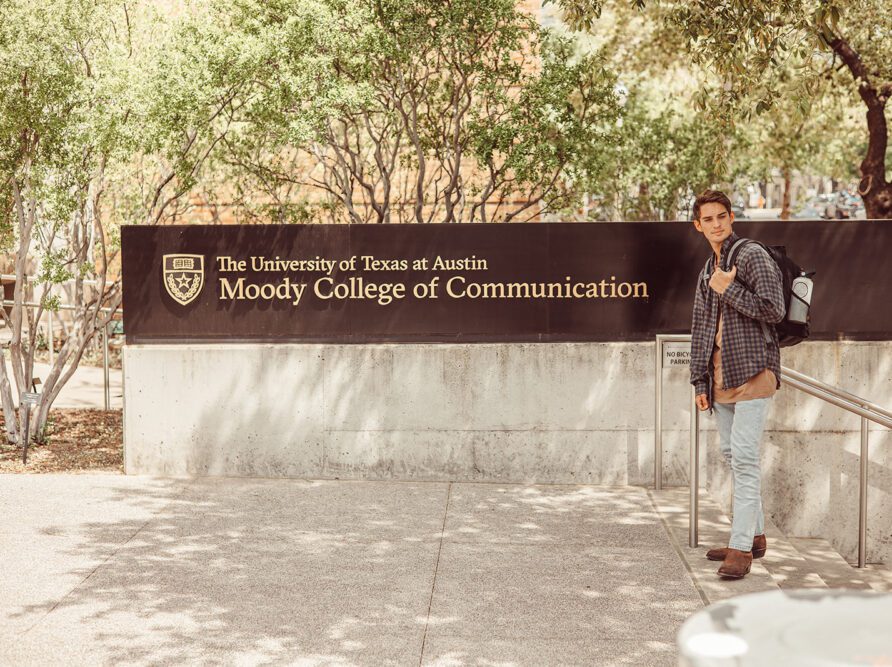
[
  {"x": 878, "y": 201},
  {"x": 874, "y": 189},
  {"x": 644, "y": 211},
  {"x": 785, "y": 205},
  {"x": 10, "y": 419}
]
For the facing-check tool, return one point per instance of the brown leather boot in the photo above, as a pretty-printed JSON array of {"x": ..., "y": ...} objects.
[
  {"x": 736, "y": 564},
  {"x": 760, "y": 545}
]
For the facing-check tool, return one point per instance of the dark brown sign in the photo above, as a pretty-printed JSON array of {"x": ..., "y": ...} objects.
[{"x": 472, "y": 283}]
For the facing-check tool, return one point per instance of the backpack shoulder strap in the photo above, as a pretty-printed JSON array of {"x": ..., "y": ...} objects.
[
  {"x": 735, "y": 250},
  {"x": 731, "y": 257},
  {"x": 707, "y": 270}
]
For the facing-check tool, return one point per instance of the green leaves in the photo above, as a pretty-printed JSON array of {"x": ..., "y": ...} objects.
[{"x": 418, "y": 110}]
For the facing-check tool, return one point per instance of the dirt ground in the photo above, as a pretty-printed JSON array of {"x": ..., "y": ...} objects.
[{"x": 78, "y": 441}]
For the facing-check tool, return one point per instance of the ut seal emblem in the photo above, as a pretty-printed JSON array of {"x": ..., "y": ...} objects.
[{"x": 183, "y": 277}]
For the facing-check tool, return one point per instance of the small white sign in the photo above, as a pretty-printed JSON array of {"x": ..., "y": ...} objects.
[
  {"x": 676, "y": 355},
  {"x": 30, "y": 397}
]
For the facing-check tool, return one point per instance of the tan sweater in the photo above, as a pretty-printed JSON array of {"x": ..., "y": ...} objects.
[{"x": 761, "y": 385}]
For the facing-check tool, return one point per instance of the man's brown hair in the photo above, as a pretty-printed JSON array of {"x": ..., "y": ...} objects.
[{"x": 708, "y": 197}]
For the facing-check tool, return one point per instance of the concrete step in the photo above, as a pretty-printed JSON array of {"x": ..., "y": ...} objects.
[
  {"x": 836, "y": 571},
  {"x": 880, "y": 577},
  {"x": 805, "y": 562},
  {"x": 788, "y": 567},
  {"x": 789, "y": 563},
  {"x": 672, "y": 504}
]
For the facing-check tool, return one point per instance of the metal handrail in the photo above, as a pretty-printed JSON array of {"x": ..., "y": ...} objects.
[
  {"x": 658, "y": 413},
  {"x": 790, "y": 373},
  {"x": 817, "y": 390},
  {"x": 867, "y": 410}
]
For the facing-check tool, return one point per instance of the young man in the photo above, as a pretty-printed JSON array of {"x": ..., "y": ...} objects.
[{"x": 735, "y": 366}]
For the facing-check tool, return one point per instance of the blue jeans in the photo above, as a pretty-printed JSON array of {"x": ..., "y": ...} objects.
[{"x": 740, "y": 433}]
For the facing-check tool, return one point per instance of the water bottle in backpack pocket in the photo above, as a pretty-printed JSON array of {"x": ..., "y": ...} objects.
[{"x": 800, "y": 299}]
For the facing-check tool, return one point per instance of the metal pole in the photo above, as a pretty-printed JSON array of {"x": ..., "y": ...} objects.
[
  {"x": 862, "y": 504},
  {"x": 50, "y": 332},
  {"x": 26, "y": 428},
  {"x": 658, "y": 415},
  {"x": 105, "y": 366},
  {"x": 694, "y": 473}
]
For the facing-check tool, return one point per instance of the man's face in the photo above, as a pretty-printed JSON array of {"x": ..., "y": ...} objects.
[{"x": 715, "y": 222}]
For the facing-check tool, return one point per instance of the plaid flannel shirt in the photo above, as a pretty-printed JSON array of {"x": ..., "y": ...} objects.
[{"x": 750, "y": 305}]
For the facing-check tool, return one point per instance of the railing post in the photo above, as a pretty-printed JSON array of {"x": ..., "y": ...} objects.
[
  {"x": 862, "y": 489},
  {"x": 694, "y": 473},
  {"x": 658, "y": 415}
]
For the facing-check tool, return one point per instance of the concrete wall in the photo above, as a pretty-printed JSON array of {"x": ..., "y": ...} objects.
[
  {"x": 560, "y": 412},
  {"x": 536, "y": 412}
]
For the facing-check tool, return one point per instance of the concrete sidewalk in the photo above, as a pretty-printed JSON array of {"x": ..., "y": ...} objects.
[
  {"x": 105, "y": 569},
  {"x": 86, "y": 388}
]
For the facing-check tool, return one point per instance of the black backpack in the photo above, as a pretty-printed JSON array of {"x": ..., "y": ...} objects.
[{"x": 788, "y": 333}]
